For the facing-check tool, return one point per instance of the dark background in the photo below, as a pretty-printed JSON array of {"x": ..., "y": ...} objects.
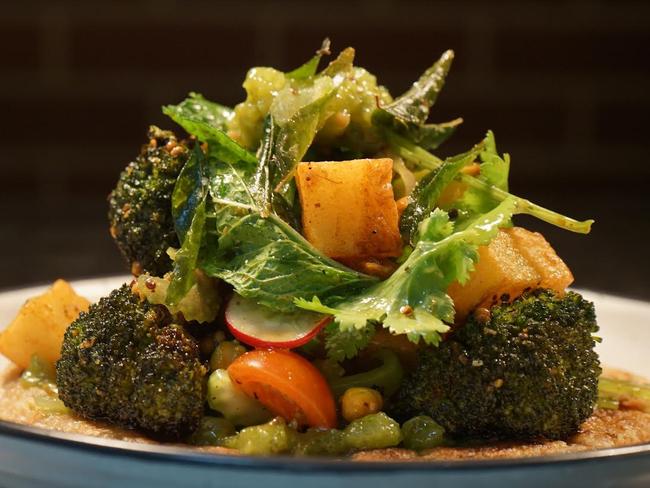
[{"x": 564, "y": 84}]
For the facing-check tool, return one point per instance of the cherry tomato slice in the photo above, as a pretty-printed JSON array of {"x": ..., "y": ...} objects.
[{"x": 287, "y": 384}]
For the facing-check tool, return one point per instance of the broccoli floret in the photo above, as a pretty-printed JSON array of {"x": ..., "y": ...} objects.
[
  {"x": 139, "y": 214},
  {"x": 527, "y": 371},
  {"x": 126, "y": 362}
]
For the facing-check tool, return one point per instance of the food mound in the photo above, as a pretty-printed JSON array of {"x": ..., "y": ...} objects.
[{"x": 309, "y": 277}]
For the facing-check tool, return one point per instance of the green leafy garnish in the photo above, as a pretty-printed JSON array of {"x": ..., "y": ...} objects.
[
  {"x": 189, "y": 191},
  {"x": 196, "y": 107},
  {"x": 196, "y": 123},
  {"x": 295, "y": 134},
  {"x": 413, "y": 301},
  {"x": 422, "y": 158},
  {"x": 309, "y": 69},
  {"x": 414, "y": 105},
  {"x": 266, "y": 259},
  {"x": 186, "y": 260},
  {"x": 345, "y": 343},
  {"x": 407, "y": 114},
  {"x": 424, "y": 197},
  {"x": 238, "y": 219}
]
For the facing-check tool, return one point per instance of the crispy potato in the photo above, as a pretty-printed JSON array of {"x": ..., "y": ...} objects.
[
  {"x": 516, "y": 260},
  {"x": 348, "y": 208},
  {"x": 40, "y": 324},
  {"x": 501, "y": 269},
  {"x": 538, "y": 252}
]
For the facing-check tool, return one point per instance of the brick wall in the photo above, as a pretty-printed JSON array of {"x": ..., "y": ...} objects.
[{"x": 563, "y": 83}]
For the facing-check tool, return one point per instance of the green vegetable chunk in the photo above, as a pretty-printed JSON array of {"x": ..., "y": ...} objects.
[
  {"x": 39, "y": 373},
  {"x": 126, "y": 361},
  {"x": 139, "y": 214},
  {"x": 528, "y": 371},
  {"x": 211, "y": 432},
  {"x": 330, "y": 442},
  {"x": 274, "y": 437},
  {"x": 612, "y": 391},
  {"x": 201, "y": 303},
  {"x": 374, "y": 431},
  {"x": 386, "y": 378},
  {"x": 422, "y": 432},
  {"x": 240, "y": 409}
]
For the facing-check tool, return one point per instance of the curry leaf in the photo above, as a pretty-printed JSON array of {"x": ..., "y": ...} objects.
[
  {"x": 188, "y": 192},
  {"x": 221, "y": 146},
  {"x": 197, "y": 107},
  {"x": 414, "y": 105},
  {"x": 187, "y": 258},
  {"x": 429, "y": 136},
  {"x": 309, "y": 69}
]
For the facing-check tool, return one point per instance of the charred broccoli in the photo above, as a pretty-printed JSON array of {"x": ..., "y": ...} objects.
[
  {"x": 527, "y": 371},
  {"x": 139, "y": 213},
  {"x": 126, "y": 362}
]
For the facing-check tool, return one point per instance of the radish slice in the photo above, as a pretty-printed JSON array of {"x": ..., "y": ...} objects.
[{"x": 260, "y": 326}]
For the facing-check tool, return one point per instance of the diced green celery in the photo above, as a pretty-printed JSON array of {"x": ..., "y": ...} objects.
[
  {"x": 422, "y": 432},
  {"x": 50, "y": 405},
  {"x": 212, "y": 432},
  {"x": 274, "y": 437},
  {"x": 373, "y": 431},
  {"x": 39, "y": 373},
  {"x": 240, "y": 409},
  {"x": 330, "y": 442}
]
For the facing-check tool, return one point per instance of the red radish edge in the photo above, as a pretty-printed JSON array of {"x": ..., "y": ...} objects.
[{"x": 259, "y": 342}]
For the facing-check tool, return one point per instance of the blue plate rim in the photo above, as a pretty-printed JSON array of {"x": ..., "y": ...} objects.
[{"x": 185, "y": 455}]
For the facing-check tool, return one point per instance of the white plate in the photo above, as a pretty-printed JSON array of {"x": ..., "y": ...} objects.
[{"x": 31, "y": 457}]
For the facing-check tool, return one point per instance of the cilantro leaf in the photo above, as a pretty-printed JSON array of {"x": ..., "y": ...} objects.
[
  {"x": 413, "y": 301},
  {"x": 425, "y": 196},
  {"x": 343, "y": 344}
]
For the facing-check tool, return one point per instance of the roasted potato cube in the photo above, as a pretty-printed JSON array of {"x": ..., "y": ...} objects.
[
  {"x": 40, "y": 324},
  {"x": 540, "y": 255},
  {"x": 501, "y": 270},
  {"x": 348, "y": 208}
]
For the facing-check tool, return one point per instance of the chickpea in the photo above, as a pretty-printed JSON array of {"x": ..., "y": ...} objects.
[
  {"x": 225, "y": 353},
  {"x": 358, "y": 402}
]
